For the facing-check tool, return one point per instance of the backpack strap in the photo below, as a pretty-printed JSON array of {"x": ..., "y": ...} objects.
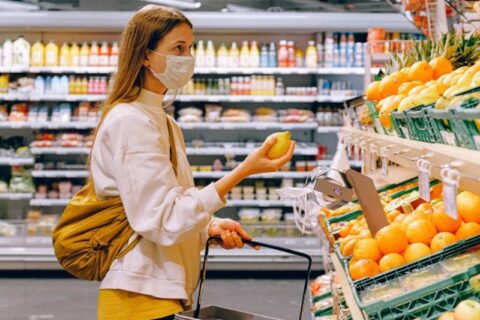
[{"x": 173, "y": 147}]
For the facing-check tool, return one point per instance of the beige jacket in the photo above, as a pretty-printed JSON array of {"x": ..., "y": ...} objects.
[{"x": 131, "y": 159}]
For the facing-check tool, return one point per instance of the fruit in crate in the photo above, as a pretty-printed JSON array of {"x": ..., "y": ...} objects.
[
  {"x": 391, "y": 239},
  {"x": 363, "y": 268},
  {"x": 421, "y": 231},
  {"x": 468, "y": 230},
  {"x": 421, "y": 71},
  {"x": 391, "y": 261},
  {"x": 416, "y": 251},
  {"x": 468, "y": 206},
  {"x": 447, "y": 316},
  {"x": 281, "y": 146},
  {"x": 442, "y": 103},
  {"x": 442, "y": 240},
  {"x": 467, "y": 310},
  {"x": 367, "y": 249},
  {"x": 373, "y": 91},
  {"x": 440, "y": 66},
  {"x": 442, "y": 221},
  {"x": 406, "y": 87}
]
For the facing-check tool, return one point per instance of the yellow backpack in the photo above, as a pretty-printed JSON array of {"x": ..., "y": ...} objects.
[{"x": 92, "y": 232}]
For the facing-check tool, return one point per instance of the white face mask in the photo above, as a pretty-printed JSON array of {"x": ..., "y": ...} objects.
[{"x": 178, "y": 71}]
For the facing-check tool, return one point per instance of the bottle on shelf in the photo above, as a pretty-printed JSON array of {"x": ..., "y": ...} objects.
[
  {"x": 64, "y": 55},
  {"x": 103, "y": 59},
  {"x": 113, "y": 59},
  {"x": 311, "y": 55},
  {"x": 64, "y": 85},
  {"x": 55, "y": 87},
  {"x": 264, "y": 56},
  {"x": 291, "y": 54},
  {"x": 254, "y": 55},
  {"x": 329, "y": 51},
  {"x": 84, "y": 53},
  {"x": 222, "y": 56},
  {"x": 51, "y": 54},
  {"x": 94, "y": 55},
  {"x": 279, "y": 87},
  {"x": 1, "y": 54},
  {"x": 200, "y": 55},
  {"x": 38, "y": 54},
  {"x": 299, "y": 61},
  {"x": 74, "y": 55},
  {"x": 8, "y": 53},
  {"x": 82, "y": 85},
  {"x": 39, "y": 86},
  {"x": 210, "y": 55},
  {"x": 72, "y": 85},
  {"x": 283, "y": 54},
  {"x": 342, "y": 61},
  {"x": 350, "y": 50},
  {"x": 233, "y": 56},
  {"x": 245, "y": 55},
  {"x": 272, "y": 56}
]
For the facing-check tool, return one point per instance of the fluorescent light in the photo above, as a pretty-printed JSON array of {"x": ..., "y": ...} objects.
[
  {"x": 182, "y": 4},
  {"x": 17, "y": 6}
]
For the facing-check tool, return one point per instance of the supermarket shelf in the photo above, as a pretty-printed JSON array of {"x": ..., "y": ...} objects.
[
  {"x": 69, "y": 97},
  {"x": 355, "y": 311},
  {"x": 249, "y": 125},
  {"x": 274, "y": 175},
  {"x": 258, "y": 203},
  {"x": 59, "y": 70},
  {"x": 15, "y": 196},
  {"x": 48, "y": 125},
  {"x": 308, "y": 151},
  {"x": 5, "y": 161},
  {"x": 36, "y": 253},
  {"x": 405, "y": 153},
  {"x": 328, "y": 129},
  {"x": 49, "y": 202},
  {"x": 59, "y": 174}
]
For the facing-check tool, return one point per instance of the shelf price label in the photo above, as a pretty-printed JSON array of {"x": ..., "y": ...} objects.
[
  {"x": 425, "y": 168},
  {"x": 384, "y": 157},
  {"x": 450, "y": 179}
]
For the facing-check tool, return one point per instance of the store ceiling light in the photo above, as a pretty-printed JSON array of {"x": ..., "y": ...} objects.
[
  {"x": 18, "y": 6},
  {"x": 181, "y": 4}
]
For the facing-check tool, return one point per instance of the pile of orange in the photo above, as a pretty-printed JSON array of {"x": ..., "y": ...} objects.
[{"x": 410, "y": 237}]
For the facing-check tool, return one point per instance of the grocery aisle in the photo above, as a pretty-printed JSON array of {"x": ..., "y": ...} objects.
[{"x": 70, "y": 299}]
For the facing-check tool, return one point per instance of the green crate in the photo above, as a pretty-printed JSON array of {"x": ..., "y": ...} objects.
[
  {"x": 399, "y": 122},
  {"x": 425, "y": 303},
  {"x": 468, "y": 122},
  {"x": 419, "y": 125},
  {"x": 442, "y": 125},
  {"x": 447, "y": 252},
  {"x": 324, "y": 312},
  {"x": 374, "y": 114}
]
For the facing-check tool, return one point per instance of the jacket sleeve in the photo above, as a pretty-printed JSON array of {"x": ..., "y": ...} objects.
[{"x": 157, "y": 207}]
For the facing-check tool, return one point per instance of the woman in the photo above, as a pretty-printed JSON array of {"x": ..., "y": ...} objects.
[{"x": 131, "y": 158}]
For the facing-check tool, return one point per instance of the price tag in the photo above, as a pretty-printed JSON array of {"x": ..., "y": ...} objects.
[
  {"x": 450, "y": 179},
  {"x": 373, "y": 157},
  {"x": 424, "y": 166},
  {"x": 365, "y": 159},
  {"x": 448, "y": 138},
  {"x": 384, "y": 157}
]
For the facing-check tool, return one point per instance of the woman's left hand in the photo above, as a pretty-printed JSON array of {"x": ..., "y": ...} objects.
[{"x": 231, "y": 232}]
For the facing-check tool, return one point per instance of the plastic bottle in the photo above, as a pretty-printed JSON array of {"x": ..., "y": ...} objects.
[
  {"x": 264, "y": 56},
  {"x": 84, "y": 53},
  {"x": 279, "y": 88},
  {"x": 48, "y": 85},
  {"x": 283, "y": 54},
  {"x": 343, "y": 51},
  {"x": 291, "y": 54},
  {"x": 51, "y": 54},
  {"x": 94, "y": 55},
  {"x": 350, "y": 50},
  {"x": 222, "y": 56},
  {"x": 74, "y": 55},
  {"x": 200, "y": 55},
  {"x": 64, "y": 55},
  {"x": 103, "y": 59},
  {"x": 245, "y": 55},
  {"x": 233, "y": 56},
  {"x": 320, "y": 50},
  {"x": 254, "y": 55},
  {"x": 311, "y": 55},
  {"x": 55, "y": 88},
  {"x": 329, "y": 51},
  {"x": 72, "y": 89},
  {"x": 113, "y": 59},
  {"x": 299, "y": 62},
  {"x": 83, "y": 85},
  {"x": 38, "y": 55},
  {"x": 39, "y": 86},
  {"x": 272, "y": 56},
  {"x": 8, "y": 53},
  {"x": 210, "y": 55},
  {"x": 1, "y": 54},
  {"x": 103, "y": 85},
  {"x": 64, "y": 85}
]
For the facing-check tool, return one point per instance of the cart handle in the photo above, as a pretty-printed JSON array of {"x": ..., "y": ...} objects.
[{"x": 254, "y": 244}]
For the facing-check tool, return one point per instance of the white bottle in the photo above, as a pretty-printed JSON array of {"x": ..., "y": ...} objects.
[
  {"x": 8, "y": 53},
  {"x": 200, "y": 55},
  {"x": 1, "y": 54},
  {"x": 245, "y": 55},
  {"x": 64, "y": 85},
  {"x": 210, "y": 55},
  {"x": 39, "y": 86},
  {"x": 233, "y": 56},
  {"x": 254, "y": 55},
  {"x": 222, "y": 56}
]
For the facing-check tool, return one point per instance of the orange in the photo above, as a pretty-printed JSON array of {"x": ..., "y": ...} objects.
[
  {"x": 391, "y": 239},
  {"x": 365, "y": 234},
  {"x": 364, "y": 268},
  {"x": 387, "y": 108},
  {"x": 447, "y": 316},
  {"x": 421, "y": 71},
  {"x": 442, "y": 240},
  {"x": 391, "y": 261},
  {"x": 347, "y": 249},
  {"x": 373, "y": 91},
  {"x": 344, "y": 231},
  {"x": 442, "y": 221},
  {"x": 440, "y": 66},
  {"x": 407, "y": 86},
  {"x": 436, "y": 191},
  {"x": 416, "y": 251},
  {"x": 468, "y": 230},
  {"x": 468, "y": 206},
  {"x": 367, "y": 249},
  {"x": 393, "y": 214},
  {"x": 390, "y": 84},
  {"x": 421, "y": 231},
  {"x": 425, "y": 208},
  {"x": 355, "y": 229},
  {"x": 416, "y": 215},
  {"x": 400, "y": 218}
]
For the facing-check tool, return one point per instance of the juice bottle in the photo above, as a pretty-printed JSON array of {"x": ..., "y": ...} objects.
[
  {"x": 74, "y": 55},
  {"x": 84, "y": 53},
  {"x": 21, "y": 52},
  {"x": 200, "y": 55},
  {"x": 233, "y": 56},
  {"x": 94, "y": 54},
  {"x": 245, "y": 55},
  {"x": 264, "y": 56},
  {"x": 51, "y": 55},
  {"x": 283, "y": 54},
  {"x": 8, "y": 53},
  {"x": 38, "y": 55},
  {"x": 291, "y": 54},
  {"x": 83, "y": 85},
  {"x": 311, "y": 55},
  {"x": 320, "y": 50},
  {"x": 72, "y": 88},
  {"x": 210, "y": 55},
  {"x": 299, "y": 63},
  {"x": 113, "y": 60},
  {"x": 254, "y": 55},
  {"x": 350, "y": 50},
  {"x": 103, "y": 59},
  {"x": 272, "y": 56},
  {"x": 329, "y": 50},
  {"x": 222, "y": 56},
  {"x": 65, "y": 55}
]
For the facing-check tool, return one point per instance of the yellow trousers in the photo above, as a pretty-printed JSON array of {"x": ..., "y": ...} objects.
[{"x": 126, "y": 305}]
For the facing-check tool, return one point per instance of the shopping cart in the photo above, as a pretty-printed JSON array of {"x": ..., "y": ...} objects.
[{"x": 221, "y": 313}]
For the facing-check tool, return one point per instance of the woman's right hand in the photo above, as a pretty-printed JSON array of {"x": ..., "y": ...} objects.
[{"x": 258, "y": 161}]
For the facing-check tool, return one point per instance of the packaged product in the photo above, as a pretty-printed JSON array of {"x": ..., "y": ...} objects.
[
  {"x": 422, "y": 277},
  {"x": 381, "y": 292},
  {"x": 460, "y": 263}
]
